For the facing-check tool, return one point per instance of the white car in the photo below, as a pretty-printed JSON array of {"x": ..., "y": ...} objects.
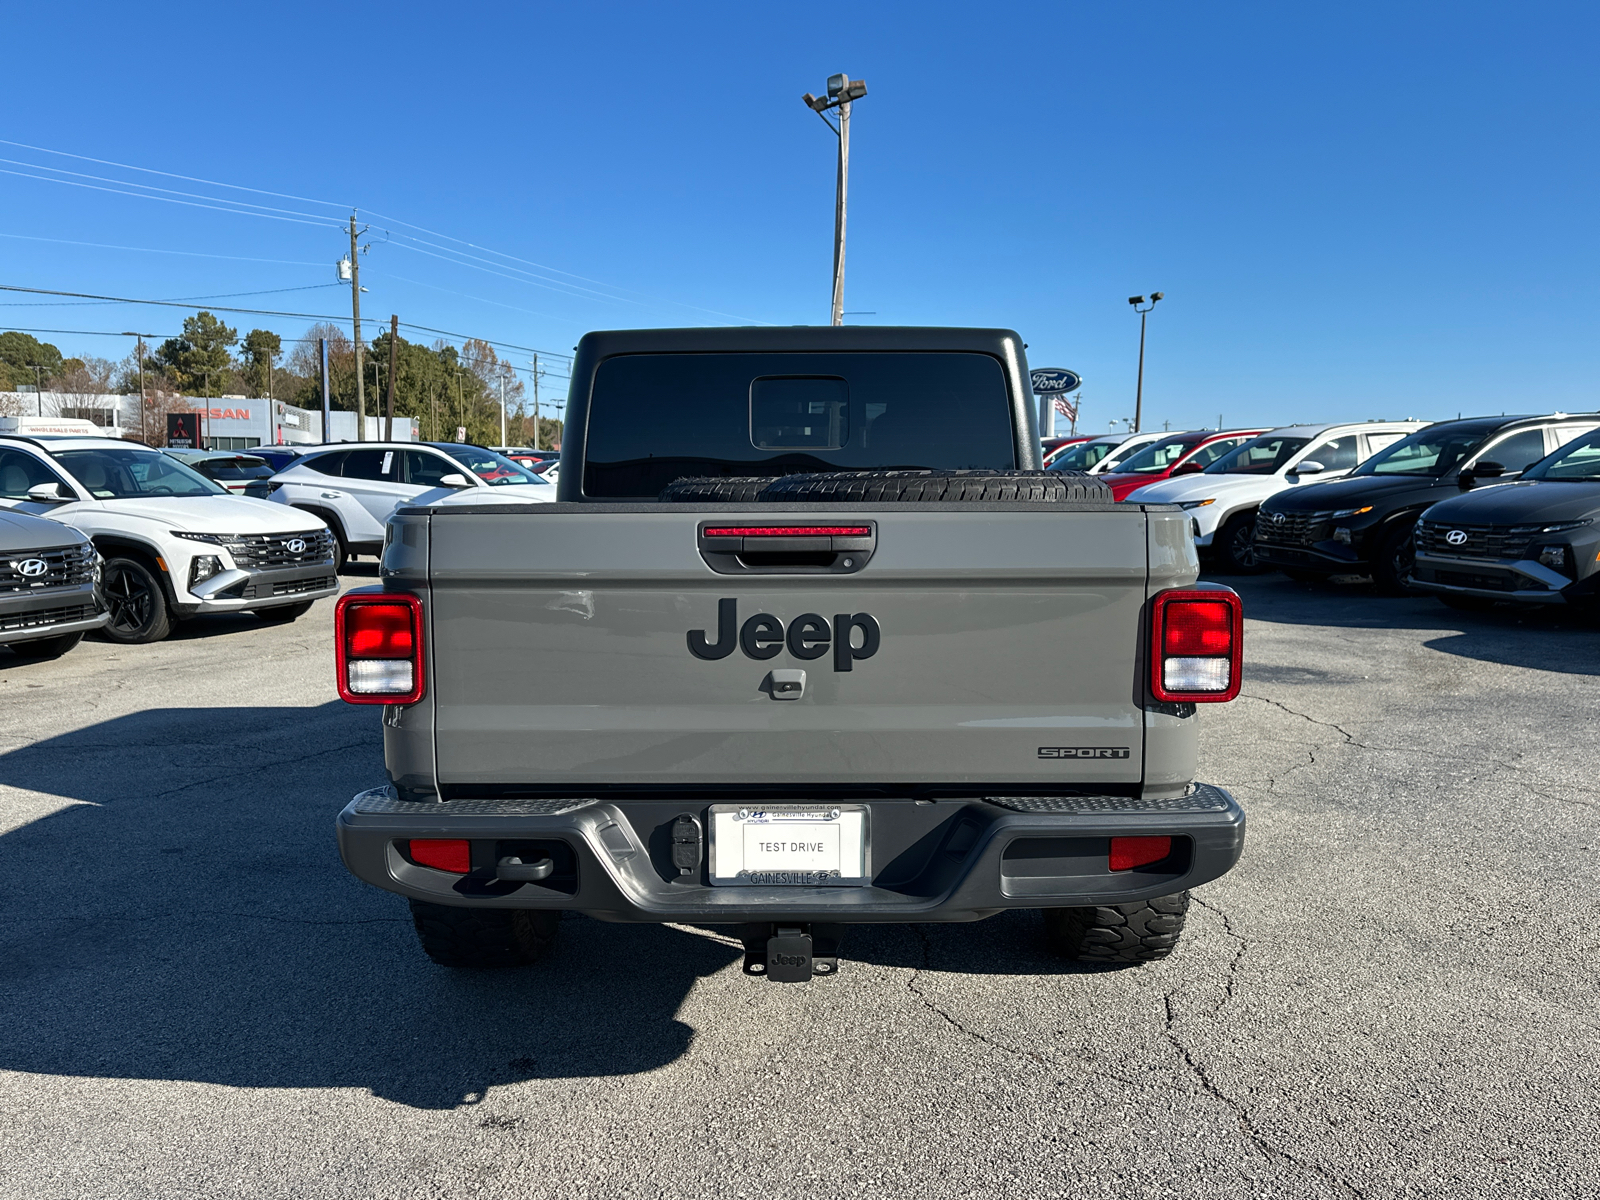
[
  {"x": 1098, "y": 455},
  {"x": 1222, "y": 500},
  {"x": 354, "y": 486},
  {"x": 175, "y": 544}
]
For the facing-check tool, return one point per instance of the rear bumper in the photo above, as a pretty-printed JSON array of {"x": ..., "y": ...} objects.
[{"x": 954, "y": 860}]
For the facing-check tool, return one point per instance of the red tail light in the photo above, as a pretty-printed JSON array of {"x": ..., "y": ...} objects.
[
  {"x": 445, "y": 854},
  {"x": 1127, "y": 852},
  {"x": 378, "y": 647},
  {"x": 1196, "y": 644}
]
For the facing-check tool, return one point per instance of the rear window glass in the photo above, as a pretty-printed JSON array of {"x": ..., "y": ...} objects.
[{"x": 654, "y": 418}]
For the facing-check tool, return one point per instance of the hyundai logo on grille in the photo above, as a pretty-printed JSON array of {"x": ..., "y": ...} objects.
[
  {"x": 31, "y": 567},
  {"x": 1456, "y": 537},
  {"x": 295, "y": 545},
  {"x": 1278, "y": 518}
]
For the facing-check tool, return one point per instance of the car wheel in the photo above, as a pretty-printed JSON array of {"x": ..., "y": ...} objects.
[
  {"x": 138, "y": 605},
  {"x": 51, "y": 647},
  {"x": 1392, "y": 561},
  {"x": 483, "y": 937},
  {"x": 1145, "y": 931},
  {"x": 282, "y": 614},
  {"x": 1236, "y": 545}
]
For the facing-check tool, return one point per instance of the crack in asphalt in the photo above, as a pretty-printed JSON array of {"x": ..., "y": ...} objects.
[
  {"x": 1264, "y": 1145},
  {"x": 977, "y": 1036},
  {"x": 1229, "y": 931}
]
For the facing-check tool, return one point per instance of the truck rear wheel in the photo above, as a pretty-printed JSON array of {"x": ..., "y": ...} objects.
[
  {"x": 483, "y": 937},
  {"x": 1118, "y": 933}
]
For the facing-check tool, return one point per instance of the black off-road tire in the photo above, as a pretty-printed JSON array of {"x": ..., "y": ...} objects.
[
  {"x": 138, "y": 604},
  {"x": 941, "y": 487},
  {"x": 51, "y": 647},
  {"x": 1392, "y": 560},
  {"x": 709, "y": 490},
  {"x": 483, "y": 937},
  {"x": 1235, "y": 545},
  {"x": 1119, "y": 933},
  {"x": 282, "y": 614}
]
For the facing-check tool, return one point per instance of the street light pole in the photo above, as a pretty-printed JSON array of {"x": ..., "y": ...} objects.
[
  {"x": 1138, "y": 400},
  {"x": 842, "y": 92}
]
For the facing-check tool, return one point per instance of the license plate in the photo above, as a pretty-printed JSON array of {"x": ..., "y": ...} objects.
[{"x": 790, "y": 845}]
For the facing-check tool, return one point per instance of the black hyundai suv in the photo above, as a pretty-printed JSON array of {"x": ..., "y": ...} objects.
[{"x": 1361, "y": 524}]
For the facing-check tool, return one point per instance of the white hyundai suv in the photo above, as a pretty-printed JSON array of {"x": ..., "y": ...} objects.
[
  {"x": 1222, "y": 500},
  {"x": 355, "y": 486},
  {"x": 175, "y": 544}
]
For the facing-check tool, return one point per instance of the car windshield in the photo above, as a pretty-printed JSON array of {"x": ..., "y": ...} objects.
[
  {"x": 494, "y": 469},
  {"x": 1576, "y": 462},
  {"x": 1082, "y": 456},
  {"x": 1265, "y": 455},
  {"x": 1157, "y": 456},
  {"x": 115, "y": 473},
  {"x": 1427, "y": 452}
]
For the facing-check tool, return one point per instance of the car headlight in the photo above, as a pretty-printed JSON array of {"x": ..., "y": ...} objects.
[
  {"x": 1188, "y": 504},
  {"x": 1563, "y": 526},
  {"x": 1351, "y": 512}
]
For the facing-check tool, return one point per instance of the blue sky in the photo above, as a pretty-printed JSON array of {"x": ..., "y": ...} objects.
[{"x": 1355, "y": 210}]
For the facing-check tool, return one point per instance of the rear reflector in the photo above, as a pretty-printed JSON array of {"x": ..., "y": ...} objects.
[
  {"x": 452, "y": 854},
  {"x": 1128, "y": 852},
  {"x": 378, "y": 647},
  {"x": 1196, "y": 644},
  {"x": 787, "y": 531}
]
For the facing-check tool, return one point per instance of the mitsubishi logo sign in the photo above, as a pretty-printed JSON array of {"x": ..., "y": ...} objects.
[
  {"x": 295, "y": 545},
  {"x": 1456, "y": 537},
  {"x": 31, "y": 567}
]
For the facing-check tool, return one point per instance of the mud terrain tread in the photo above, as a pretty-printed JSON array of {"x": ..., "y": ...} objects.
[
  {"x": 940, "y": 487},
  {"x": 1145, "y": 931},
  {"x": 732, "y": 490},
  {"x": 483, "y": 937}
]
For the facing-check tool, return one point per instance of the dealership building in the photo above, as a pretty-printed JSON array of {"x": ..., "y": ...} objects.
[{"x": 226, "y": 422}]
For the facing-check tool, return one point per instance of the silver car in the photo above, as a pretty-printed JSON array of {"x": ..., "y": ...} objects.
[{"x": 49, "y": 582}]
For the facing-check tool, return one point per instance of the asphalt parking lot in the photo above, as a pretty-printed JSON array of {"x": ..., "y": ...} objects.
[{"x": 1393, "y": 994}]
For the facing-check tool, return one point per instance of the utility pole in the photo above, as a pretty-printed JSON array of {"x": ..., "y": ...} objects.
[
  {"x": 502, "y": 408},
  {"x": 355, "y": 321},
  {"x": 327, "y": 404},
  {"x": 1138, "y": 400},
  {"x": 536, "y": 445},
  {"x": 38, "y": 386},
  {"x": 394, "y": 339},
  {"x": 138, "y": 349},
  {"x": 842, "y": 92}
]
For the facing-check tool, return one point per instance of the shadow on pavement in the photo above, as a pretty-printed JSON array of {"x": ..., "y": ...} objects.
[
  {"x": 1560, "y": 640},
  {"x": 190, "y": 919}
]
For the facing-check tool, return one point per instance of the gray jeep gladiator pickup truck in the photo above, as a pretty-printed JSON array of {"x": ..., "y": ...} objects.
[{"x": 807, "y": 640}]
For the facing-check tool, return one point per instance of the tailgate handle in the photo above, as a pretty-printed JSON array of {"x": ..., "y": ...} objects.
[
  {"x": 513, "y": 870},
  {"x": 790, "y": 548}
]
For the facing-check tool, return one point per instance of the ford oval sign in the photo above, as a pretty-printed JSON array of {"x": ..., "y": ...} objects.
[{"x": 1054, "y": 381}]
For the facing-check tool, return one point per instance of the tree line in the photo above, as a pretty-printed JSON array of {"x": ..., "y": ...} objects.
[{"x": 445, "y": 387}]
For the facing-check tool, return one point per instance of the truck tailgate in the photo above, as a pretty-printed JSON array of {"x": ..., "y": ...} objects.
[{"x": 1008, "y": 650}]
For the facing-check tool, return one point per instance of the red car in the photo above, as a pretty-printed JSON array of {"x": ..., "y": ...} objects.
[{"x": 1180, "y": 454}]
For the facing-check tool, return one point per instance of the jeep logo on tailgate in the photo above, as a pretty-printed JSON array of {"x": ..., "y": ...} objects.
[
  {"x": 808, "y": 636},
  {"x": 1084, "y": 752}
]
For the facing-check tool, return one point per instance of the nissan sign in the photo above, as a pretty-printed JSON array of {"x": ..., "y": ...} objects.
[{"x": 1054, "y": 381}]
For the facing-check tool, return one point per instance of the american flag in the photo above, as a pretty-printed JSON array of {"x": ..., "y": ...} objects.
[{"x": 1066, "y": 408}]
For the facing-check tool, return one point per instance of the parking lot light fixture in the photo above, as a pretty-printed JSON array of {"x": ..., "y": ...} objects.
[
  {"x": 842, "y": 93},
  {"x": 1144, "y": 312}
]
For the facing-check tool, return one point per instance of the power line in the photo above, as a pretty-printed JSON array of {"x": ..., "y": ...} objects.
[
  {"x": 168, "y": 174},
  {"x": 287, "y": 262},
  {"x": 177, "y": 299},
  {"x": 165, "y": 199},
  {"x": 267, "y": 312}
]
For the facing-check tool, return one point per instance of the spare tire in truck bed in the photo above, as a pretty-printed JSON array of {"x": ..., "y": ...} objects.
[
  {"x": 939, "y": 487},
  {"x": 713, "y": 490}
]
